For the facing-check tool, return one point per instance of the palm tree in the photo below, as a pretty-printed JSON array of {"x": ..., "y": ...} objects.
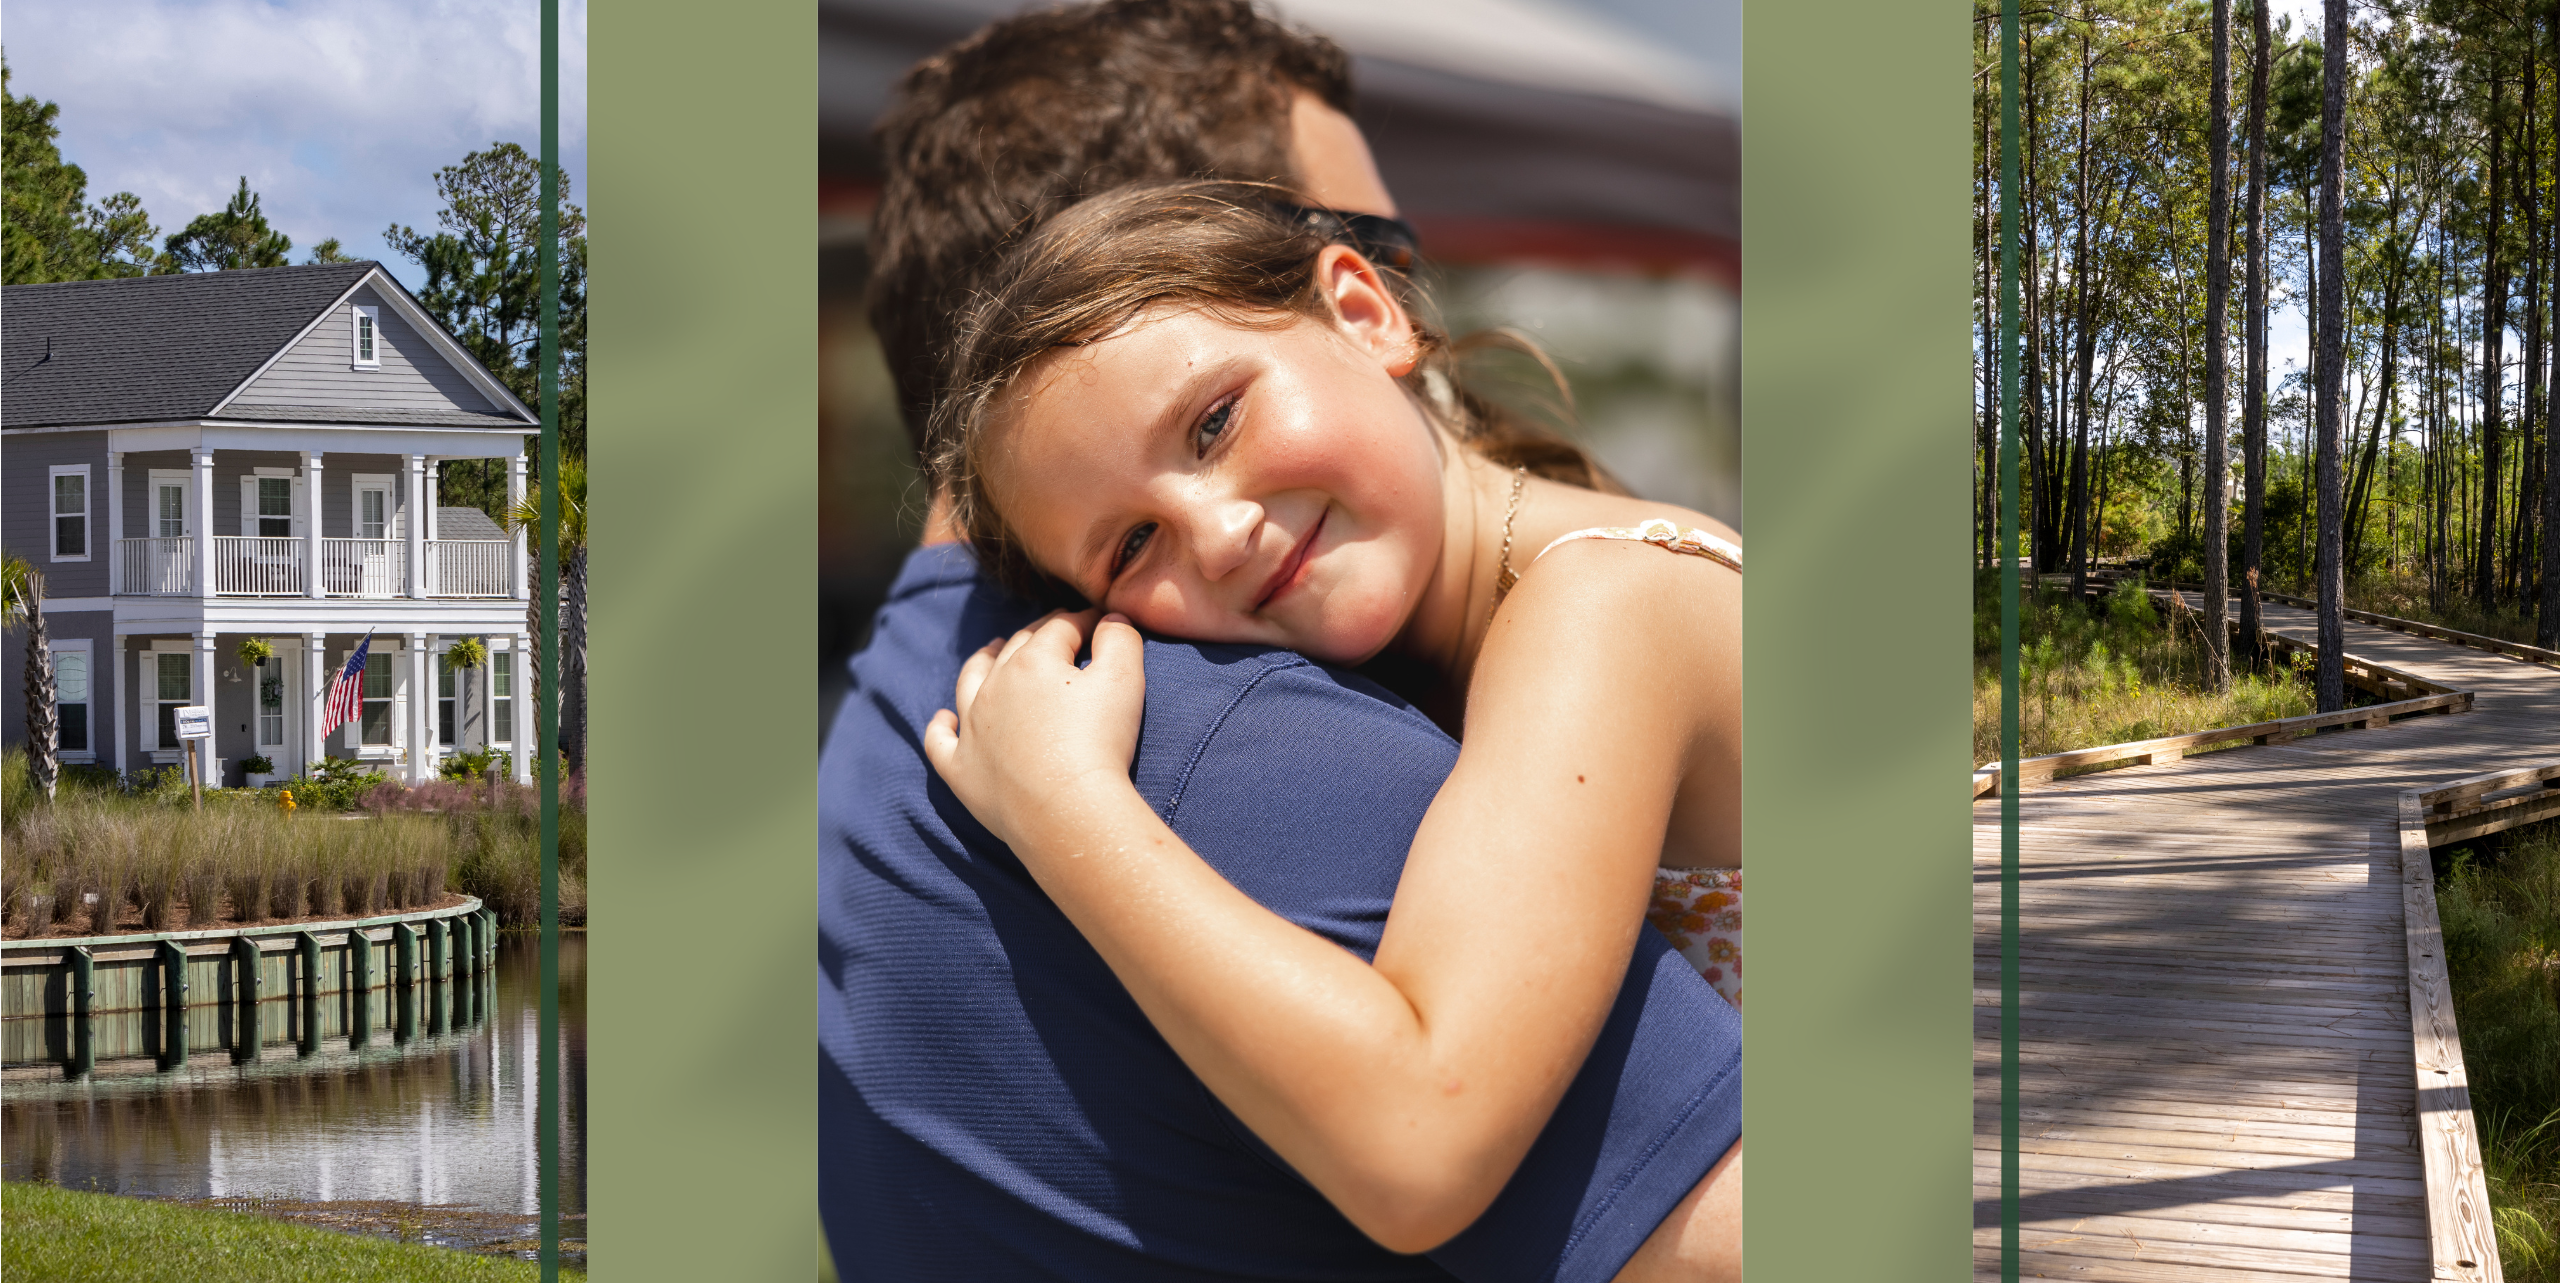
[
  {"x": 527, "y": 515},
  {"x": 22, "y": 602}
]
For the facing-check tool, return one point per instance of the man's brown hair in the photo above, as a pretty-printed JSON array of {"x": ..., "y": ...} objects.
[
  {"x": 1221, "y": 248},
  {"x": 1033, "y": 113}
]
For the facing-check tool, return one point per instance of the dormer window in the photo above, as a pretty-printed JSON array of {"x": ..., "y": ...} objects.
[{"x": 368, "y": 337}]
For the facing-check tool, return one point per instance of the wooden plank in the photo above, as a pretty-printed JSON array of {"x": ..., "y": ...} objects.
[{"x": 2464, "y": 1244}]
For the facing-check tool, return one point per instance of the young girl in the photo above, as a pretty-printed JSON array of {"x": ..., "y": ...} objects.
[{"x": 1215, "y": 425}]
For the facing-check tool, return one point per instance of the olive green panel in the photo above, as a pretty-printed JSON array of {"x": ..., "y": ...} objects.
[
  {"x": 702, "y": 157},
  {"x": 1856, "y": 465}
]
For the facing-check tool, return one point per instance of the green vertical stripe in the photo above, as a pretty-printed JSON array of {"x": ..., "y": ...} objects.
[
  {"x": 2011, "y": 201},
  {"x": 546, "y": 1111}
]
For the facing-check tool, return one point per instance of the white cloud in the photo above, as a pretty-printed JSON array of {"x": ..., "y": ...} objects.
[{"x": 338, "y": 115}]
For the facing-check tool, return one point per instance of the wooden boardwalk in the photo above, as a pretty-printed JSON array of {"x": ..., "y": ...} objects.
[{"x": 2216, "y": 1072}]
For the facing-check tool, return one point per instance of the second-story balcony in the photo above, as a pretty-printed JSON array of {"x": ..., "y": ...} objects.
[{"x": 251, "y": 566}]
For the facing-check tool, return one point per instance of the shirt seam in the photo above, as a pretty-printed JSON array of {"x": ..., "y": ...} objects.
[
  {"x": 1643, "y": 1161},
  {"x": 1200, "y": 748}
]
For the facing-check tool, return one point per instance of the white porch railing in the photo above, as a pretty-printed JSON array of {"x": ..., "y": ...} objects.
[
  {"x": 468, "y": 567},
  {"x": 363, "y": 567},
  {"x": 156, "y": 567},
  {"x": 253, "y": 566}
]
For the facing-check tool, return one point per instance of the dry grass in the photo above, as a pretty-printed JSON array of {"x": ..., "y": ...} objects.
[{"x": 100, "y": 862}]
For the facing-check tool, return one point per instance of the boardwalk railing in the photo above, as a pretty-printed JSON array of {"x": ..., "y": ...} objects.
[
  {"x": 2417, "y": 696},
  {"x": 2455, "y": 635},
  {"x": 2463, "y": 1243}
]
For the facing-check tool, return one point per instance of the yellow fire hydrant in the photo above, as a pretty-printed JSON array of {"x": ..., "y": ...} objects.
[{"x": 286, "y": 801}]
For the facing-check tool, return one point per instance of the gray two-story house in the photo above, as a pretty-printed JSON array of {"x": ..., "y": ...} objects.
[{"x": 195, "y": 460}]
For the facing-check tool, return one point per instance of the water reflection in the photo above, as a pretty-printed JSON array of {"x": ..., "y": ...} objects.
[{"x": 439, "y": 1119}]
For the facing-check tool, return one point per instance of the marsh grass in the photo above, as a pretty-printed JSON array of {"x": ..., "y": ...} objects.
[
  {"x": 2499, "y": 900},
  {"x": 96, "y": 861},
  {"x": 2120, "y": 671}
]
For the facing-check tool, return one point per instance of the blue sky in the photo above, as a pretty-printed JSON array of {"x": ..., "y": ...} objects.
[{"x": 339, "y": 115}]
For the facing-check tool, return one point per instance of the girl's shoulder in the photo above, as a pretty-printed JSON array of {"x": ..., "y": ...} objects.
[
  {"x": 1624, "y": 564},
  {"x": 1584, "y": 518}
]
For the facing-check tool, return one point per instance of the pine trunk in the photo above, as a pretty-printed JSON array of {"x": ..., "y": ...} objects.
[
  {"x": 2331, "y": 680},
  {"x": 2217, "y": 306},
  {"x": 2253, "y": 408}
]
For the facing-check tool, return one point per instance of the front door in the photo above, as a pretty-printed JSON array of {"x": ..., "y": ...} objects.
[{"x": 278, "y": 713}]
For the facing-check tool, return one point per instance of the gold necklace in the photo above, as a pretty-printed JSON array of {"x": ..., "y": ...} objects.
[{"x": 1502, "y": 582}]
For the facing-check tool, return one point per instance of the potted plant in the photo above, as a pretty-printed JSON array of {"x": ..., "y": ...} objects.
[
  {"x": 260, "y": 771},
  {"x": 255, "y": 651}
]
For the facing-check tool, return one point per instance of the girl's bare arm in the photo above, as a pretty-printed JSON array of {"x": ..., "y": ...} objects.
[{"x": 1406, "y": 1091}]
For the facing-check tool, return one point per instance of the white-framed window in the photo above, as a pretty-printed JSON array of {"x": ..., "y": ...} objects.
[
  {"x": 375, "y": 515},
  {"x": 71, "y": 700},
  {"x": 383, "y": 701},
  {"x": 169, "y": 504},
  {"x": 374, "y": 722},
  {"x": 447, "y": 723},
  {"x": 502, "y": 697},
  {"x": 70, "y": 511},
  {"x": 366, "y": 335},
  {"x": 174, "y": 684},
  {"x": 270, "y": 504},
  {"x": 269, "y": 677}
]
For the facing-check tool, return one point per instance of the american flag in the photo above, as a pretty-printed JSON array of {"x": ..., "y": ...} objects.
[{"x": 346, "y": 690}]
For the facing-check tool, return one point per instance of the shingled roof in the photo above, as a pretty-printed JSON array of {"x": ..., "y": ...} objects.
[{"x": 155, "y": 348}]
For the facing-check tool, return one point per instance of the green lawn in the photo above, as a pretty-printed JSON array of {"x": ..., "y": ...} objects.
[{"x": 64, "y": 1236}]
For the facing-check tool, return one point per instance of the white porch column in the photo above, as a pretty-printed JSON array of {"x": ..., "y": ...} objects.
[
  {"x": 315, "y": 704},
  {"x": 528, "y": 735},
  {"x": 413, "y": 480},
  {"x": 518, "y": 571},
  {"x": 123, "y": 719},
  {"x": 311, "y": 462},
  {"x": 435, "y": 479},
  {"x": 422, "y": 707},
  {"x": 204, "y": 695},
  {"x": 202, "y": 526},
  {"x": 115, "y": 527}
]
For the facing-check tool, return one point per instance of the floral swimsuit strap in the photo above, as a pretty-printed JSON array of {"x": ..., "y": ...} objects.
[{"x": 1663, "y": 534}]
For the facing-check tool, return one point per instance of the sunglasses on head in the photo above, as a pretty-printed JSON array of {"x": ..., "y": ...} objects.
[{"x": 1388, "y": 242}]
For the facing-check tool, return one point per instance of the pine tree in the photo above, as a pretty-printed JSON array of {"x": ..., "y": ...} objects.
[
  {"x": 48, "y": 230},
  {"x": 235, "y": 237}
]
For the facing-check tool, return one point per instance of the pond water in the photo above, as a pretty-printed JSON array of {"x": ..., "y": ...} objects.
[{"x": 429, "y": 1140}]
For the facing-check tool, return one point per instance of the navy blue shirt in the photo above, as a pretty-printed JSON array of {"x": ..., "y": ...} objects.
[{"x": 993, "y": 1104}]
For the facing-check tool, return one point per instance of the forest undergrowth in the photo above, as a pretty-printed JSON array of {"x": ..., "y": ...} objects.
[
  {"x": 2499, "y": 900},
  {"x": 2118, "y": 671}
]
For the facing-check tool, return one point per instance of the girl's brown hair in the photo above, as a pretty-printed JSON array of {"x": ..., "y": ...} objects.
[{"x": 1221, "y": 247}]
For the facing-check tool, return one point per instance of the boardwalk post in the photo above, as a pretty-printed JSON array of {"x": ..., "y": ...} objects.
[
  {"x": 360, "y": 1008},
  {"x": 404, "y": 967},
  {"x": 173, "y": 1000},
  {"x": 84, "y": 999},
  {"x": 306, "y": 947},
  {"x": 247, "y": 1033}
]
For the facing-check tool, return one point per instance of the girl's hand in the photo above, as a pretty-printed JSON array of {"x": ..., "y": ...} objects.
[{"x": 1036, "y": 739}]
